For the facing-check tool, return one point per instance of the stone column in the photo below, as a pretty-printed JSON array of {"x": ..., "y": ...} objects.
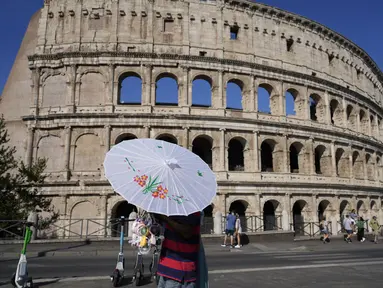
[
  {"x": 104, "y": 213},
  {"x": 364, "y": 163},
  {"x": 221, "y": 91},
  {"x": 185, "y": 139},
  {"x": 311, "y": 156},
  {"x": 111, "y": 87},
  {"x": 307, "y": 108},
  {"x": 72, "y": 89},
  {"x": 68, "y": 136},
  {"x": 286, "y": 212},
  {"x": 344, "y": 105},
  {"x": 222, "y": 158},
  {"x": 350, "y": 161},
  {"x": 282, "y": 99},
  {"x": 357, "y": 111},
  {"x": 333, "y": 159},
  {"x": 285, "y": 154},
  {"x": 369, "y": 123},
  {"x": 258, "y": 212},
  {"x": 29, "y": 154},
  {"x": 147, "y": 131},
  {"x": 34, "y": 101},
  {"x": 153, "y": 86},
  {"x": 183, "y": 87},
  {"x": 107, "y": 138},
  {"x": 328, "y": 112},
  {"x": 256, "y": 151},
  {"x": 255, "y": 94},
  {"x": 249, "y": 106},
  {"x": 376, "y": 168}
]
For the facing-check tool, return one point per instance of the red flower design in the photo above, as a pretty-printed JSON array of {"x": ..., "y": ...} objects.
[
  {"x": 142, "y": 183},
  {"x": 155, "y": 194},
  {"x": 144, "y": 177},
  {"x": 162, "y": 196},
  {"x": 159, "y": 188},
  {"x": 137, "y": 179},
  {"x": 166, "y": 191}
]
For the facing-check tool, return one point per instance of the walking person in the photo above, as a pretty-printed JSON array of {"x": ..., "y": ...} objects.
[
  {"x": 360, "y": 229},
  {"x": 375, "y": 226},
  {"x": 230, "y": 229},
  {"x": 348, "y": 226},
  {"x": 323, "y": 226},
  {"x": 238, "y": 231},
  {"x": 178, "y": 263}
]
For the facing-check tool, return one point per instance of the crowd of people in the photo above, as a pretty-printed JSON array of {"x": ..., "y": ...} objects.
[{"x": 352, "y": 224}]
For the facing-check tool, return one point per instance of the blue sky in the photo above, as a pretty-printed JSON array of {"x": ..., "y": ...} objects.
[{"x": 361, "y": 22}]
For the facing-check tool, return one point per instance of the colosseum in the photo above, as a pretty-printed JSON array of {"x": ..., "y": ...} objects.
[{"x": 287, "y": 112}]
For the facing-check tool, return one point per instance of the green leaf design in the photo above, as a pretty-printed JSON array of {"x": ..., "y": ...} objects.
[
  {"x": 152, "y": 185},
  {"x": 200, "y": 173}
]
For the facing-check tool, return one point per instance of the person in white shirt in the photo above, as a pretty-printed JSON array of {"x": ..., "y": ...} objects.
[
  {"x": 348, "y": 225},
  {"x": 238, "y": 230}
]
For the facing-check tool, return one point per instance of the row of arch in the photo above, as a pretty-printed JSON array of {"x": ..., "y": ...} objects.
[
  {"x": 93, "y": 91},
  {"x": 271, "y": 155}
]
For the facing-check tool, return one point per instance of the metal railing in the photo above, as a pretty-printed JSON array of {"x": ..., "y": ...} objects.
[
  {"x": 311, "y": 229},
  {"x": 258, "y": 223}
]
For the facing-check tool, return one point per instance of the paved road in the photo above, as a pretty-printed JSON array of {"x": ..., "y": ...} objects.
[{"x": 327, "y": 266}]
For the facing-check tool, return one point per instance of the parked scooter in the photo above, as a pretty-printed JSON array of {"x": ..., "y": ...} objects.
[
  {"x": 118, "y": 273},
  {"x": 21, "y": 279}
]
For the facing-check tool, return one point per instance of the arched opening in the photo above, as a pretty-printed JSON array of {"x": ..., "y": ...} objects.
[
  {"x": 357, "y": 164},
  {"x": 236, "y": 157},
  {"x": 363, "y": 120},
  {"x": 124, "y": 137},
  {"x": 234, "y": 94},
  {"x": 342, "y": 163},
  {"x": 122, "y": 208},
  {"x": 314, "y": 105},
  {"x": 291, "y": 96},
  {"x": 202, "y": 147},
  {"x": 264, "y": 98},
  {"x": 130, "y": 89},
  {"x": 168, "y": 138},
  {"x": 323, "y": 206},
  {"x": 379, "y": 168},
  {"x": 166, "y": 90},
  {"x": 298, "y": 217},
  {"x": 201, "y": 91},
  {"x": 360, "y": 208},
  {"x": 351, "y": 118},
  {"x": 240, "y": 207},
  {"x": 373, "y": 206},
  {"x": 336, "y": 113},
  {"x": 296, "y": 157},
  {"x": 208, "y": 220},
  {"x": 319, "y": 153},
  {"x": 370, "y": 167},
  {"x": 267, "y": 150},
  {"x": 269, "y": 215},
  {"x": 344, "y": 208},
  {"x": 374, "y": 130}
]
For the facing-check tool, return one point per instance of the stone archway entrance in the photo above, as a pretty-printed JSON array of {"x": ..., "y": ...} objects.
[
  {"x": 323, "y": 207},
  {"x": 269, "y": 215},
  {"x": 208, "y": 220},
  {"x": 122, "y": 208},
  {"x": 298, "y": 217},
  {"x": 240, "y": 207}
]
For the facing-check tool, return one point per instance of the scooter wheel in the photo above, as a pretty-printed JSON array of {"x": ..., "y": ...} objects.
[
  {"x": 30, "y": 284},
  {"x": 13, "y": 280},
  {"x": 156, "y": 279},
  {"x": 138, "y": 279},
  {"x": 115, "y": 278}
]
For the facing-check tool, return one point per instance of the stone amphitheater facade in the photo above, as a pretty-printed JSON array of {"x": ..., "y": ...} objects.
[{"x": 63, "y": 101}]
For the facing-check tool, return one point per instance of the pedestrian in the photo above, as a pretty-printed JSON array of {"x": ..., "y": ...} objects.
[
  {"x": 323, "y": 226},
  {"x": 348, "y": 226},
  {"x": 360, "y": 229},
  {"x": 238, "y": 231},
  {"x": 230, "y": 229},
  {"x": 375, "y": 226},
  {"x": 178, "y": 263},
  {"x": 354, "y": 218}
]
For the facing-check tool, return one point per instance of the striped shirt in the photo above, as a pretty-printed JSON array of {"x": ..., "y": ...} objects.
[{"x": 179, "y": 256}]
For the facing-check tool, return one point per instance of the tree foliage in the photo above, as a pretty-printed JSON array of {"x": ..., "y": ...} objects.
[{"x": 20, "y": 184}]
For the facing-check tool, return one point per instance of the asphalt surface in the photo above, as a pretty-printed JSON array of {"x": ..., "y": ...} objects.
[{"x": 331, "y": 265}]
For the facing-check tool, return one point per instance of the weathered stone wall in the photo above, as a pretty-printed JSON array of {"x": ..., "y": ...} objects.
[{"x": 326, "y": 157}]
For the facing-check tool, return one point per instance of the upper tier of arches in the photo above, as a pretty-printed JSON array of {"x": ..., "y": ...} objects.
[
  {"x": 196, "y": 88},
  {"x": 237, "y": 30}
]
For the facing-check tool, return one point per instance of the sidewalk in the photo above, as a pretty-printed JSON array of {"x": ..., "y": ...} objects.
[{"x": 110, "y": 247}]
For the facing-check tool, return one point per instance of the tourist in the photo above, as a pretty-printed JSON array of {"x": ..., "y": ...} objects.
[
  {"x": 230, "y": 228},
  {"x": 375, "y": 226},
  {"x": 238, "y": 231},
  {"x": 180, "y": 251},
  {"x": 360, "y": 229},
  {"x": 323, "y": 226},
  {"x": 348, "y": 226}
]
